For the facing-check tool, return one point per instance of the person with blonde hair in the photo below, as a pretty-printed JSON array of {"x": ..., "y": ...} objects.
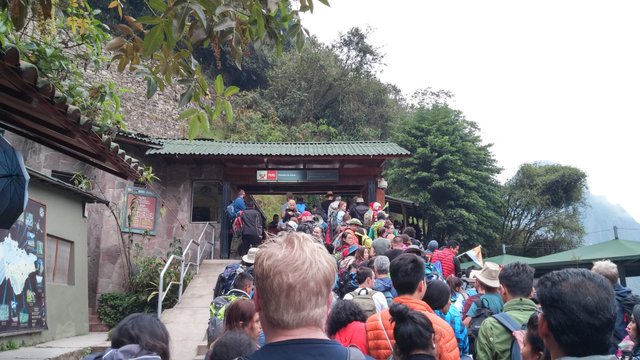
[
  {"x": 625, "y": 299},
  {"x": 293, "y": 302}
]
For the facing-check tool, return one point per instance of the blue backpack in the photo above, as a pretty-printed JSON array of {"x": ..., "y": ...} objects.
[
  {"x": 226, "y": 278},
  {"x": 514, "y": 328},
  {"x": 231, "y": 211}
]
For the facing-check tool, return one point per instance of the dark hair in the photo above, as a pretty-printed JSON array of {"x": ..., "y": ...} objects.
[
  {"x": 405, "y": 239},
  {"x": 145, "y": 330},
  {"x": 412, "y": 330},
  {"x": 381, "y": 231},
  {"x": 250, "y": 204},
  {"x": 636, "y": 319},
  {"x": 533, "y": 338},
  {"x": 242, "y": 280},
  {"x": 360, "y": 253},
  {"x": 239, "y": 314},
  {"x": 407, "y": 270},
  {"x": 453, "y": 282},
  {"x": 343, "y": 313},
  {"x": 452, "y": 244},
  {"x": 363, "y": 274},
  {"x": 409, "y": 231},
  {"x": 581, "y": 325},
  {"x": 380, "y": 216},
  {"x": 232, "y": 344},
  {"x": 330, "y": 248},
  {"x": 517, "y": 278}
]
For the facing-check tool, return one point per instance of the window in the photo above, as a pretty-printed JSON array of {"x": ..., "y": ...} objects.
[
  {"x": 205, "y": 202},
  {"x": 59, "y": 264}
]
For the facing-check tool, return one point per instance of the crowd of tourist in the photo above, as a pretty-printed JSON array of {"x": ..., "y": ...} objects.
[{"x": 328, "y": 290}]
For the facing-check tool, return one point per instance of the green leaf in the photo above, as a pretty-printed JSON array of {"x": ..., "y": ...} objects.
[
  {"x": 201, "y": 16},
  {"x": 152, "y": 87},
  {"x": 188, "y": 113},
  {"x": 300, "y": 39},
  {"x": 231, "y": 90},
  {"x": 228, "y": 110},
  {"x": 326, "y": 2},
  {"x": 115, "y": 43},
  {"x": 186, "y": 96},
  {"x": 219, "y": 84},
  {"x": 223, "y": 8},
  {"x": 204, "y": 122},
  {"x": 153, "y": 40},
  {"x": 158, "y": 5},
  {"x": 149, "y": 20},
  {"x": 194, "y": 127},
  {"x": 218, "y": 109},
  {"x": 225, "y": 24}
]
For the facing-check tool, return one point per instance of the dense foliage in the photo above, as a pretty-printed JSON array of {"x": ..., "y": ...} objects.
[
  {"x": 542, "y": 209},
  {"x": 451, "y": 175}
]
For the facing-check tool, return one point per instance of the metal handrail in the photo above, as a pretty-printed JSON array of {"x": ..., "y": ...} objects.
[{"x": 184, "y": 269}]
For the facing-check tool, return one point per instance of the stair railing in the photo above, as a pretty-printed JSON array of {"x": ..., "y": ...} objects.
[{"x": 184, "y": 265}]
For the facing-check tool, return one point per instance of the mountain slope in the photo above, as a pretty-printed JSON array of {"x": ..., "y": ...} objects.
[{"x": 601, "y": 216}]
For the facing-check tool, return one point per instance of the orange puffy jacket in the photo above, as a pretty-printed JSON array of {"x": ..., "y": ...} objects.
[{"x": 446, "y": 343}]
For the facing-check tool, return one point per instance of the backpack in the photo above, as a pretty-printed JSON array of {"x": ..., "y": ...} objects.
[
  {"x": 368, "y": 218},
  {"x": 516, "y": 331},
  {"x": 231, "y": 212},
  {"x": 216, "y": 316},
  {"x": 225, "y": 280},
  {"x": 482, "y": 312},
  {"x": 237, "y": 225},
  {"x": 365, "y": 301},
  {"x": 346, "y": 283}
]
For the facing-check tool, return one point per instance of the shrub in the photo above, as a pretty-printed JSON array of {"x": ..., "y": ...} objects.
[{"x": 113, "y": 307}]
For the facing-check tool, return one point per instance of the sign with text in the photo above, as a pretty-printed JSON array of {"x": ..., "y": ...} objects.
[
  {"x": 141, "y": 212},
  {"x": 22, "y": 277},
  {"x": 280, "y": 176}
]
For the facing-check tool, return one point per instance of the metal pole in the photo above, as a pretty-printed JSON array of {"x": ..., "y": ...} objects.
[
  {"x": 181, "y": 279},
  {"x": 615, "y": 232},
  {"x": 160, "y": 289},
  {"x": 213, "y": 241},
  {"x": 504, "y": 249},
  {"x": 198, "y": 258}
]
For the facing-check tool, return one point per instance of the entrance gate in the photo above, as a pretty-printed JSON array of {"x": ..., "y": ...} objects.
[{"x": 346, "y": 168}]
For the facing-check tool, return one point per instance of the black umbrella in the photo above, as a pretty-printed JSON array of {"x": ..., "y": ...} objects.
[{"x": 14, "y": 182}]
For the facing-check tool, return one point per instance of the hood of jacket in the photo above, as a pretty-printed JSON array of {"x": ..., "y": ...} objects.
[
  {"x": 621, "y": 291},
  {"x": 383, "y": 284},
  {"x": 129, "y": 352}
]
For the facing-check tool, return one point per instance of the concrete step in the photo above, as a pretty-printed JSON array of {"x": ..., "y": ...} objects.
[
  {"x": 199, "y": 357},
  {"x": 202, "y": 348},
  {"x": 187, "y": 321}
]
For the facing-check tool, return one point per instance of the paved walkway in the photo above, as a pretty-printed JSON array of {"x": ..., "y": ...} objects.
[
  {"x": 187, "y": 321},
  {"x": 64, "y": 349}
]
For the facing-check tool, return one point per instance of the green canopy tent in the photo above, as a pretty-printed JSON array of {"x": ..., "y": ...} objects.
[
  {"x": 499, "y": 259},
  {"x": 625, "y": 253}
]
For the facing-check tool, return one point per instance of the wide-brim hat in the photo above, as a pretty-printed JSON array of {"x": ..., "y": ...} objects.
[
  {"x": 352, "y": 249},
  {"x": 251, "y": 256},
  {"x": 355, "y": 221},
  {"x": 359, "y": 199},
  {"x": 489, "y": 275},
  {"x": 414, "y": 249},
  {"x": 304, "y": 214}
]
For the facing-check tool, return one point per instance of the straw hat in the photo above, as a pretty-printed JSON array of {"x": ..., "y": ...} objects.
[
  {"x": 489, "y": 275},
  {"x": 251, "y": 256}
]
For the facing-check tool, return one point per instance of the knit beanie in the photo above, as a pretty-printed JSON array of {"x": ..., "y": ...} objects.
[
  {"x": 437, "y": 295},
  {"x": 433, "y": 245}
]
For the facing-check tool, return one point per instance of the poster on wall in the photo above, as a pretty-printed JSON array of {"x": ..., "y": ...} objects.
[
  {"x": 140, "y": 214},
  {"x": 22, "y": 287}
]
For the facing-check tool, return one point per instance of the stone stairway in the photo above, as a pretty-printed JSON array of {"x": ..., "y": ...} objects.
[{"x": 187, "y": 321}]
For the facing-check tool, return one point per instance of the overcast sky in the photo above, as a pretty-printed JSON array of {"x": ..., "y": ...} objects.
[{"x": 554, "y": 81}]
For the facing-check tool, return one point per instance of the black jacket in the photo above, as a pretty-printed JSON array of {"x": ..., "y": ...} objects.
[{"x": 358, "y": 211}]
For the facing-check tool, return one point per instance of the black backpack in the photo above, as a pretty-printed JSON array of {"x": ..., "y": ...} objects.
[{"x": 482, "y": 312}]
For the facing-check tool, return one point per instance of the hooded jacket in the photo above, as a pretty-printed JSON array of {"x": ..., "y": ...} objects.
[
  {"x": 620, "y": 329},
  {"x": 127, "y": 352},
  {"x": 378, "y": 324},
  {"x": 384, "y": 285}
]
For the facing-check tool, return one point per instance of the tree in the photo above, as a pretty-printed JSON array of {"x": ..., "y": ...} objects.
[
  {"x": 451, "y": 175},
  {"x": 159, "y": 47},
  {"x": 541, "y": 209},
  {"x": 317, "y": 85}
]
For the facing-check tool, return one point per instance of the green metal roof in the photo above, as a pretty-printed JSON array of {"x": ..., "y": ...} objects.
[
  {"x": 500, "y": 260},
  {"x": 307, "y": 149},
  {"x": 614, "y": 250}
]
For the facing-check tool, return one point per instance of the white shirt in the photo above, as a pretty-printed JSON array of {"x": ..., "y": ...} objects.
[{"x": 378, "y": 299}]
